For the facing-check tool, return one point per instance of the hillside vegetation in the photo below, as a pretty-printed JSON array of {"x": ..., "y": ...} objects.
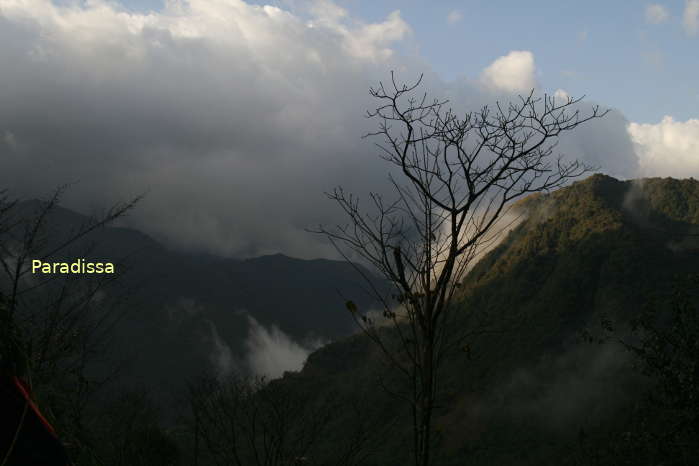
[
  {"x": 543, "y": 379},
  {"x": 580, "y": 346}
]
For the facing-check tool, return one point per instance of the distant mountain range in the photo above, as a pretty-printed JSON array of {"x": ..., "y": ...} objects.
[{"x": 187, "y": 314}]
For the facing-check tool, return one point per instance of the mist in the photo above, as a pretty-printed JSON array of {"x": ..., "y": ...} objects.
[{"x": 270, "y": 352}]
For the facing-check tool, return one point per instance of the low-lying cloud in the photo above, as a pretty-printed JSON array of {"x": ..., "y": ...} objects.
[
  {"x": 221, "y": 356},
  {"x": 270, "y": 352},
  {"x": 571, "y": 388}
]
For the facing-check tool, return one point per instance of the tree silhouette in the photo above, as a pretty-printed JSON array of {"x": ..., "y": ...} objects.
[{"x": 456, "y": 179}]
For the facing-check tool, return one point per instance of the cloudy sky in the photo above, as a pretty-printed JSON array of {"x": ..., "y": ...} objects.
[{"x": 236, "y": 116}]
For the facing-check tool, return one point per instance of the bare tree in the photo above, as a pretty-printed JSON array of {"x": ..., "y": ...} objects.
[
  {"x": 458, "y": 175},
  {"x": 135, "y": 435},
  {"x": 52, "y": 327},
  {"x": 250, "y": 422}
]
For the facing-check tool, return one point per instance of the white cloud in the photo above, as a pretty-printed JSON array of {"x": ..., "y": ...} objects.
[
  {"x": 206, "y": 104},
  {"x": 514, "y": 72},
  {"x": 656, "y": 13},
  {"x": 370, "y": 41},
  {"x": 221, "y": 357},
  {"x": 690, "y": 17},
  {"x": 454, "y": 16},
  {"x": 271, "y": 352},
  {"x": 328, "y": 12},
  {"x": 668, "y": 148},
  {"x": 235, "y": 118},
  {"x": 561, "y": 95},
  {"x": 365, "y": 41}
]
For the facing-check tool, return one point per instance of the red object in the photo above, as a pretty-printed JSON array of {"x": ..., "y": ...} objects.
[
  {"x": 24, "y": 390},
  {"x": 26, "y": 436}
]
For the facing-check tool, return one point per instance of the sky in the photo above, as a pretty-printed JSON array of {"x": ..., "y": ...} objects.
[
  {"x": 647, "y": 49},
  {"x": 234, "y": 117}
]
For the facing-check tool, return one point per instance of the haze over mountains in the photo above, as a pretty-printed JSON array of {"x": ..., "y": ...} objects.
[
  {"x": 264, "y": 315},
  {"x": 228, "y": 309},
  {"x": 542, "y": 378},
  {"x": 188, "y": 314}
]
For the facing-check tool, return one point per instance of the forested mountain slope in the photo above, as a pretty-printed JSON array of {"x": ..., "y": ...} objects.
[{"x": 532, "y": 388}]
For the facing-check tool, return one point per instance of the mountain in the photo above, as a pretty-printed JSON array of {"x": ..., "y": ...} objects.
[
  {"x": 542, "y": 377},
  {"x": 187, "y": 314},
  {"x": 535, "y": 388}
]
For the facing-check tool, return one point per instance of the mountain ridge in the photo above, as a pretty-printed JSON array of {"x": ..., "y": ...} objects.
[
  {"x": 184, "y": 308},
  {"x": 599, "y": 250}
]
